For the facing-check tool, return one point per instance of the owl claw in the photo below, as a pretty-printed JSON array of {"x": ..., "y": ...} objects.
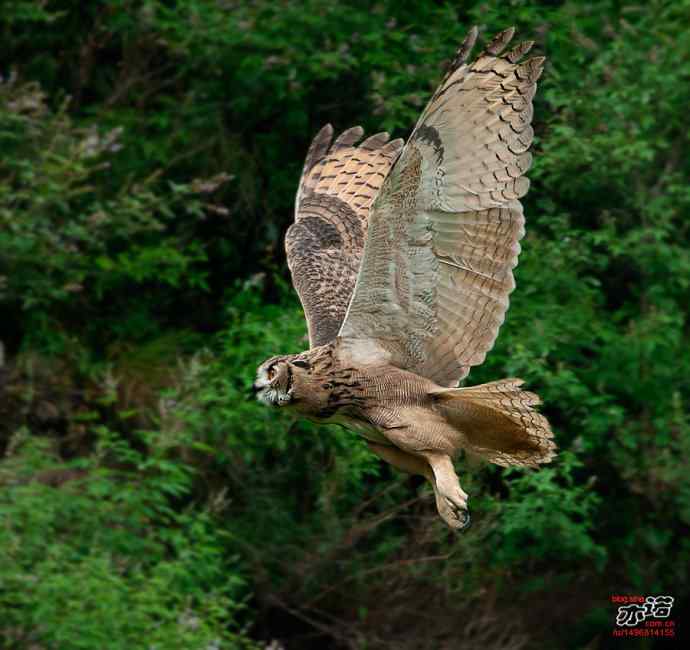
[
  {"x": 454, "y": 512},
  {"x": 460, "y": 517},
  {"x": 466, "y": 521}
]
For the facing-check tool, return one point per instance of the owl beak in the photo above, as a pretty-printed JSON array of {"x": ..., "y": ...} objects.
[{"x": 251, "y": 393}]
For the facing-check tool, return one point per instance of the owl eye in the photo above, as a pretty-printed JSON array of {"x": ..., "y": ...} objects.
[{"x": 271, "y": 372}]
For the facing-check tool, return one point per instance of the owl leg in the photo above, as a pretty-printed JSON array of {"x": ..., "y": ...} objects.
[
  {"x": 404, "y": 461},
  {"x": 451, "y": 499}
]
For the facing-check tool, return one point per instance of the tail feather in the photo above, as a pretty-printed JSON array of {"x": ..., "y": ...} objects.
[{"x": 499, "y": 422}]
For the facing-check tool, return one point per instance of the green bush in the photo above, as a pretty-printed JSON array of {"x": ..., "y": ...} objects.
[
  {"x": 71, "y": 243},
  {"x": 95, "y": 557}
]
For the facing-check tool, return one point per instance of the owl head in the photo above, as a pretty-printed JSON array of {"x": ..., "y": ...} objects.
[{"x": 275, "y": 379}]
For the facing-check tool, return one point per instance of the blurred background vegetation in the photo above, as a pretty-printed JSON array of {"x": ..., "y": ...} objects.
[{"x": 150, "y": 155}]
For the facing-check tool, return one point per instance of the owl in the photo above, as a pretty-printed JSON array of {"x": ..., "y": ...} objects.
[{"x": 402, "y": 255}]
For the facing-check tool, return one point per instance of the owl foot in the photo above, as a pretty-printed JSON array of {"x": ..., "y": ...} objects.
[
  {"x": 461, "y": 518},
  {"x": 454, "y": 510},
  {"x": 451, "y": 499}
]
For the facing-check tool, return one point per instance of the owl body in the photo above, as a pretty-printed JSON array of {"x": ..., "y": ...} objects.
[
  {"x": 327, "y": 384},
  {"x": 402, "y": 255},
  {"x": 370, "y": 398}
]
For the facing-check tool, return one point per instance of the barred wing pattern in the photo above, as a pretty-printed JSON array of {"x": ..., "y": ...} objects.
[
  {"x": 444, "y": 231},
  {"x": 325, "y": 243}
]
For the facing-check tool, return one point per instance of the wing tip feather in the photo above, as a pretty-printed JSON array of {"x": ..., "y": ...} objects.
[
  {"x": 499, "y": 42},
  {"x": 348, "y": 137},
  {"x": 466, "y": 46},
  {"x": 463, "y": 52},
  {"x": 319, "y": 146},
  {"x": 325, "y": 129},
  {"x": 535, "y": 67},
  {"x": 375, "y": 142},
  {"x": 519, "y": 51},
  {"x": 394, "y": 147}
]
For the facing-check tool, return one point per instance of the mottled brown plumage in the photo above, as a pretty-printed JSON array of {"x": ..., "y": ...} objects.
[
  {"x": 402, "y": 258},
  {"x": 325, "y": 244}
]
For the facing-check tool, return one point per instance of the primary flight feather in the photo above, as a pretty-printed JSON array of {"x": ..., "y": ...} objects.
[{"x": 403, "y": 257}]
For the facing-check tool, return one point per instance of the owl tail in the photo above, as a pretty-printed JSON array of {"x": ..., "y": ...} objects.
[{"x": 499, "y": 422}]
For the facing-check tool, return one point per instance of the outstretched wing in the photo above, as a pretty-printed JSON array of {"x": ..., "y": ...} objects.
[
  {"x": 325, "y": 243},
  {"x": 443, "y": 235}
]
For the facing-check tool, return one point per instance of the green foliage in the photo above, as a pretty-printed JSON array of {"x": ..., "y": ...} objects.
[
  {"x": 69, "y": 240},
  {"x": 548, "y": 514},
  {"x": 130, "y": 304},
  {"x": 94, "y": 556}
]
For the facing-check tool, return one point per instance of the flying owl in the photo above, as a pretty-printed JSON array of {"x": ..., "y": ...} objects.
[{"x": 403, "y": 256}]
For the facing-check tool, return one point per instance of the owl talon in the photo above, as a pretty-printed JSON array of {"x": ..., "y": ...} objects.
[
  {"x": 466, "y": 521},
  {"x": 460, "y": 517},
  {"x": 454, "y": 512}
]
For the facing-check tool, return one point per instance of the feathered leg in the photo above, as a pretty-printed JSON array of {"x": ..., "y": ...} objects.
[
  {"x": 403, "y": 461},
  {"x": 451, "y": 500}
]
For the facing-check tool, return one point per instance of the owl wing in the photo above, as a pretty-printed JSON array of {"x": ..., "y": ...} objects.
[
  {"x": 325, "y": 243},
  {"x": 433, "y": 286}
]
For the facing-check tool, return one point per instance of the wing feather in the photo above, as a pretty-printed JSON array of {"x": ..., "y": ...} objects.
[
  {"x": 324, "y": 245},
  {"x": 444, "y": 231}
]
